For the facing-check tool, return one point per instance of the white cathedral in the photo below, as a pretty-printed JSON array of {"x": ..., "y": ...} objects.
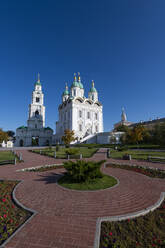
[{"x": 78, "y": 113}]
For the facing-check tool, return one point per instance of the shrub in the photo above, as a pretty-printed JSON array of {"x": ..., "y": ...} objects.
[
  {"x": 82, "y": 171},
  {"x": 72, "y": 151},
  {"x": 126, "y": 156},
  {"x": 123, "y": 148},
  {"x": 50, "y": 148},
  {"x": 57, "y": 148}
]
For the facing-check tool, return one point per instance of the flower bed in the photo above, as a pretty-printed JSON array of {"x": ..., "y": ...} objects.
[
  {"x": 157, "y": 173},
  {"x": 144, "y": 231},
  {"x": 11, "y": 216}
]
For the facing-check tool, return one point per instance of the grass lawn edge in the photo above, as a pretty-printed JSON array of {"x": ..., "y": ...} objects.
[{"x": 94, "y": 190}]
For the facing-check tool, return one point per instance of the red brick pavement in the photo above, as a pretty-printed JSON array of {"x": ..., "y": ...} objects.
[{"x": 65, "y": 218}]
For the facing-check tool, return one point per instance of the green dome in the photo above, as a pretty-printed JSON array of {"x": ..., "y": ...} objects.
[
  {"x": 75, "y": 84},
  {"x": 93, "y": 89},
  {"x": 66, "y": 92},
  {"x": 38, "y": 82},
  {"x": 22, "y": 127},
  {"x": 81, "y": 85}
]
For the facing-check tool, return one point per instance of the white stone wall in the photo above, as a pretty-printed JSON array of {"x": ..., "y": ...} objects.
[
  {"x": 88, "y": 121},
  {"x": 26, "y": 134}
]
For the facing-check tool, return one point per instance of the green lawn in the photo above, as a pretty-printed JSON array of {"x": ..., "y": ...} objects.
[
  {"x": 141, "y": 155},
  {"x": 95, "y": 184},
  {"x": 6, "y": 155},
  {"x": 86, "y": 153}
]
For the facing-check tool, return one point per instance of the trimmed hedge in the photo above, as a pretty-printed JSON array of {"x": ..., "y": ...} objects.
[{"x": 83, "y": 171}]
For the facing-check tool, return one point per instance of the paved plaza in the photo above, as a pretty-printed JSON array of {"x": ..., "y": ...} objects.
[{"x": 66, "y": 218}]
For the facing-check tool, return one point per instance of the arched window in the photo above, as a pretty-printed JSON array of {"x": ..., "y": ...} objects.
[
  {"x": 80, "y": 127},
  {"x": 36, "y": 113}
]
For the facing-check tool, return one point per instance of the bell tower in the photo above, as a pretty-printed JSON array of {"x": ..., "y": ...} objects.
[{"x": 36, "y": 118}]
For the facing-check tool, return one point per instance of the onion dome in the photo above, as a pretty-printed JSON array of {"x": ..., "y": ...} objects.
[
  {"x": 66, "y": 92},
  {"x": 93, "y": 89},
  {"x": 75, "y": 82},
  {"x": 79, "y": 81},
  {"x": 38, "y": 80}
]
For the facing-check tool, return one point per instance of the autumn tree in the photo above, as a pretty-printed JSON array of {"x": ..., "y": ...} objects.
[
  {"x": 68, "y": 137},
  {"x": 3, "y": 136}
]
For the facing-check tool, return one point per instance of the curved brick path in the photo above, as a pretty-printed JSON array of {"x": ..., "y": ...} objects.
[{"x": 65, "y": 218}]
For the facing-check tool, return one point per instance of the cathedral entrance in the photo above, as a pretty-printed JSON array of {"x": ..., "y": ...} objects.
[
  {"x": 35, "y": 141},
  {"x": 21, "y": 143}
]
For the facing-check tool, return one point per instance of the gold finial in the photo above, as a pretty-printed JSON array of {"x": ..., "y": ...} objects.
[
  {"x": 66, "y": 86},
  {"x": 38, "y": 77},
  {"x": 79, "y": 78},
  {"x": 75, "y": 78},
  {"x": 93, "y": 84}
]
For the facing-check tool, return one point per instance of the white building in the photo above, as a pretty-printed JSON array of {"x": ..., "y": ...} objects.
[
  {"x": 7, "y": 144},
  {"x": 35, "y": 133},
  {"x": 123, "y": 121},
  {"x": 78, "y": 113}
]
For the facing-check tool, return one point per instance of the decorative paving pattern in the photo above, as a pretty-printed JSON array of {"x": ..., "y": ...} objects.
[{"x": 67, "y": 219}]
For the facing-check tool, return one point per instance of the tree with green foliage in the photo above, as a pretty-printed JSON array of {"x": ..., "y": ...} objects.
[
  {"x": 68, "y": 137},
  {"x": 158, "y": 134},
  {"x": 10, "y": 133},
  {"x": 122, "y": 128},
  {"x": 135, "y": 135},
  {"x": 113, "y": 139}
]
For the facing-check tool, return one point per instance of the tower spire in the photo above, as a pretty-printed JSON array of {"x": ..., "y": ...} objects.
[
  {"x": 38, "y": 77},
  {"x": 123, "y": 115},
  {"x": 79, "y": 78},
  {"x": 75, "y": 78},
  {"x": 66, "y": 86}
]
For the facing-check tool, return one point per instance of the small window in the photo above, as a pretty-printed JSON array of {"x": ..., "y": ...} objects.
[
  {"x": 80, "y": 113},
  {"x": 37, "y": 99},
  {"x": 88, "y": 115},
  {"x": 35, "y": 125},
  {"x": 96, "y": 116},
  {"x": 93, "y": 97},
  {"x": 80, "y": 127},
  {"x": 74, "y": 92},
  {"x": 96, "y": 129},
  {"x": 36, "y": 113}
]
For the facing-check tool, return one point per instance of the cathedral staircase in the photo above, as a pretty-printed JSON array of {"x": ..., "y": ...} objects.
[{"x": 87, "y": 138}]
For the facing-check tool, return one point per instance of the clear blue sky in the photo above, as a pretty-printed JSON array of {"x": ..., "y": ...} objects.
[{"x": 120, "y": 44}]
